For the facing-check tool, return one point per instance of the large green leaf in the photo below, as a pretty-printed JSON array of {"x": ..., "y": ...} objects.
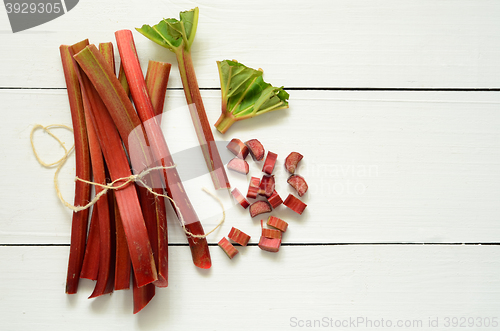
[{"x": 245, "y": 93}]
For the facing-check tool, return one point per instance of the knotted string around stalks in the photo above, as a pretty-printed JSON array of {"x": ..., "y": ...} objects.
[{"x": 114, "y": 185}]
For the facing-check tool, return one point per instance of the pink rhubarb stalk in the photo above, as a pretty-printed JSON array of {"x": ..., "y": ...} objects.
[{"x": 79, "y": 222}]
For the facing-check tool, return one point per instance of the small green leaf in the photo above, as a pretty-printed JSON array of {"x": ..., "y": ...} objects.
[{"x": 172, "y": 33}]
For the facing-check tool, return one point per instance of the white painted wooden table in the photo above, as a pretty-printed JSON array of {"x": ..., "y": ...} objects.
[{"x": 396, "y": 107}]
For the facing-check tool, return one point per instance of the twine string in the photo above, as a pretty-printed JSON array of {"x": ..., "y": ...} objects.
[{"x": 114, "y": 185}]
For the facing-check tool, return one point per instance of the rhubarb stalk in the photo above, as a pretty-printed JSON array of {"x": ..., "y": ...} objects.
[
  {"x": 82, "y": 155},
  {"x": 178, "y": 36},
  {"x": 156, "y": 84}
]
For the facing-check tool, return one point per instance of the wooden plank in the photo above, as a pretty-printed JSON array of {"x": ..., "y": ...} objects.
[
  {"x": 261, "y": 290},
  {"x": 319, "y": 43},
  {"x": 381, "y": 166}
]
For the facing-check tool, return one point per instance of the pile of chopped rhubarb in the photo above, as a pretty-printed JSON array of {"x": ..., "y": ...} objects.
[{"x": 262, "y": 193}]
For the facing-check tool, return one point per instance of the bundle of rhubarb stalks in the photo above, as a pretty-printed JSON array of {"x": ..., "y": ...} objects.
[{"x": 114, "y": 140}]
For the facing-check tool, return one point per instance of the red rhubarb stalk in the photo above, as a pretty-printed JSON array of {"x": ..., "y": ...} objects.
[
  {"x": 156, "y": 85},
  {"x": 79, "y": 222},
  {"x": 178, "y": 36},
  {"x": 134, "y": 226},
  {"x": 104, "y": 282}
]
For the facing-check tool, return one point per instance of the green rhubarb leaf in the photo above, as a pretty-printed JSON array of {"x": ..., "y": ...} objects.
[
  {"x": 245, "y": 93},
  {"x": 172, "y": 33}
]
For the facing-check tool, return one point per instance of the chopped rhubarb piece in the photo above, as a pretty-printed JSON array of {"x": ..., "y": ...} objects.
[
  {"x": 269, "y": 163},
  {"x": 295, "y": 204},
  {"x": 270, "y": 233},
  {"x": 240, "y": 198},
  {"x": 238, "y": 165},
  {"x": 260, "y": 207},
  {"x": 292, "y": 160},
  {"x": 275, "y": 199},
  {"x": 238, "y": 236},
  {"x": 227, "y": 247},
  {"x": 238, "y": 148},
  {"x": 298, "y": 183},
  {"x": 270, "y": 244},
  {"x": 277, "y": 223},
  {"x": 266, "y": 186},
  {"x": 253, "y": 188},
  {"x": 256, "y": 149}
]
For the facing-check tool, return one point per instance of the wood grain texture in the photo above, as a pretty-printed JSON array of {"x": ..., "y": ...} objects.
[
  {"x": 261, "y": 290},
  {"x": 318, "y": 43},
  {"x": 381, "y": 166},
  {"x": 400, "y": 167}
]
